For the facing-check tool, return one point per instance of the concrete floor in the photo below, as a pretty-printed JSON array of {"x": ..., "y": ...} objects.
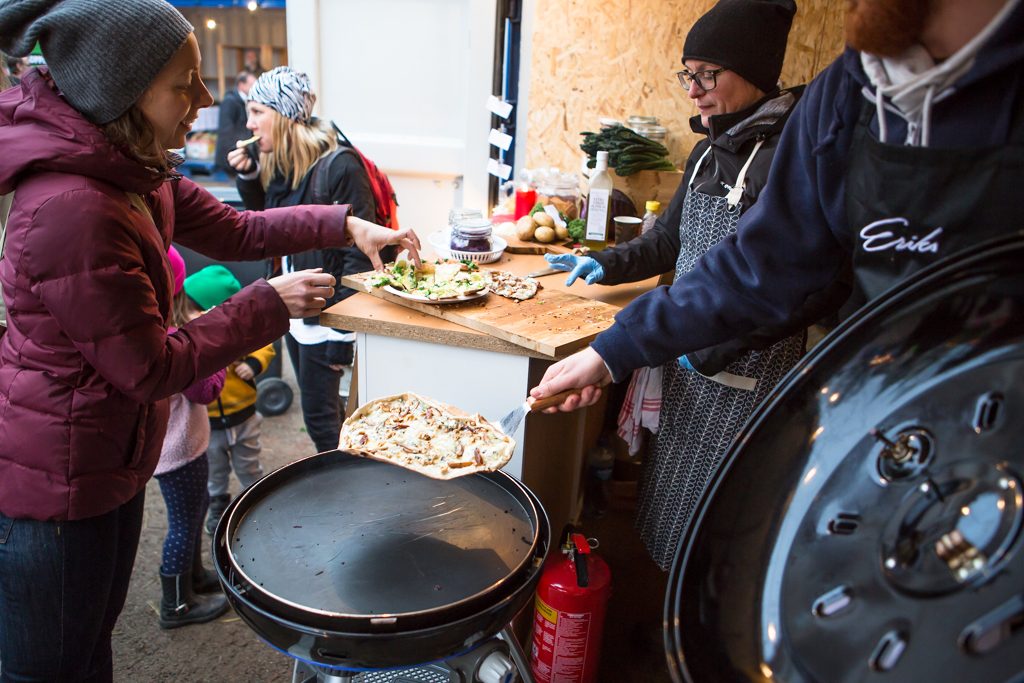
[{"x": 632, "y": 649}]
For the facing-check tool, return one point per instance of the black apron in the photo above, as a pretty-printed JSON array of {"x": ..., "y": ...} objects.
[
  {"x": 701, "y": 415},
  {"x": 909, "y": 207}
]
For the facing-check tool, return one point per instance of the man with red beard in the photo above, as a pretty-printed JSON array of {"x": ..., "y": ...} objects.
[{"x": 905, "y": 150}]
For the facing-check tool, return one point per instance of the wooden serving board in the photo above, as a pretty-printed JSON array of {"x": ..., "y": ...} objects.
[{"x": 554, "y": 323}]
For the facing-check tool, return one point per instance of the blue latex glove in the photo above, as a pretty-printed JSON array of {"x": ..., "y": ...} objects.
[
  {"x": 684, "y": 363},
  {"x": 577, "y": 266}
]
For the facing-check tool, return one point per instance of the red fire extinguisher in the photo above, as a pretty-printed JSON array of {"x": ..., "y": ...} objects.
[{"x": 568, "y": 619}]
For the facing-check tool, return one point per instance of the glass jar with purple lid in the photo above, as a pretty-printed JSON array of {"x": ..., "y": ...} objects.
[{"x": 471, "y": 234}]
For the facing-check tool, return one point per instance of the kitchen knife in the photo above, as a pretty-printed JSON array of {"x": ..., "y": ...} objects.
[
  {"x": 545, "y": 271},
  {"x": 510, "y": 422}
]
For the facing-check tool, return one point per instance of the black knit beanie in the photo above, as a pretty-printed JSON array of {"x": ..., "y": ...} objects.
[
  {"x": 746, "y": 36},
  {"x": 103, "y": 54}
]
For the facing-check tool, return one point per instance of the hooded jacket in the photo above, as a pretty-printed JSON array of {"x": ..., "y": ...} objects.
[
  {"x": 86, "y": 365},
  {"x": 794, "y": 243},
  {"x": 731, "y": 139}
]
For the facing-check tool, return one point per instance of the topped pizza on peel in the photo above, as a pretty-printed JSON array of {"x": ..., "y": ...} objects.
[{"x": 426, "y": 436}]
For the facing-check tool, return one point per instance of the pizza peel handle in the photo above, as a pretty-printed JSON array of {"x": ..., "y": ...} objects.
[{"x": 510, "y": 422}]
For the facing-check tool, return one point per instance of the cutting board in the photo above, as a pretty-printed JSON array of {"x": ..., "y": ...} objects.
[{"x": 554, "y": 323}]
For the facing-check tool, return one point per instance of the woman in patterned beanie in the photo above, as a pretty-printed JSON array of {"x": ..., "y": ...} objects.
[{"x": 298, "y": 159}]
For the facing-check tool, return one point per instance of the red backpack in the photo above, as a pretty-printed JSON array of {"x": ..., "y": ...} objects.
[{"x": 383, "y": 193}]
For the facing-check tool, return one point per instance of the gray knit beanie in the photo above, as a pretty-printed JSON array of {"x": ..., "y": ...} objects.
[{"x": 103, "y": 54}]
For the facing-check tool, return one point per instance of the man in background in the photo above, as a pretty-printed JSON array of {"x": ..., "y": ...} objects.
[{"x": 231, "y": 120}]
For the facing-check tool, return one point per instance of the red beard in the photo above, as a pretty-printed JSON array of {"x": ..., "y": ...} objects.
[{"x": 885, "y": 27}]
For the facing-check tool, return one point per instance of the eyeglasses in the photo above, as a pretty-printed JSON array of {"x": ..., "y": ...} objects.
[{"x": 705, "y": 80}]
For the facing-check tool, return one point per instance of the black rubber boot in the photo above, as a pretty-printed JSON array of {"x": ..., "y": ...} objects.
[
  {"x": 180, "y": 607},
  {"x": 217, "y": 506},
  {"x": 203, "y": 580}
]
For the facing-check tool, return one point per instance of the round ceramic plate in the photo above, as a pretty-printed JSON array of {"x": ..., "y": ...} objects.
[{"x": 424, "y": 300}]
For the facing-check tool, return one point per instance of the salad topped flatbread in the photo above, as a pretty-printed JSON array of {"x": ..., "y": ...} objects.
[
  {"x": 425, "y": 436},
  {"x": 432, "y": 280}
]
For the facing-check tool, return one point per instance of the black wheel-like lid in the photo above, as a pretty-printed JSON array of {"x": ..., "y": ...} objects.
[{"x": 866, "y": 525}]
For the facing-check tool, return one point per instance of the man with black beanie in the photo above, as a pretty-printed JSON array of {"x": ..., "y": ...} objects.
[
  {"x": 732, "y": 58},
  {"x": 904, "y": 151}
]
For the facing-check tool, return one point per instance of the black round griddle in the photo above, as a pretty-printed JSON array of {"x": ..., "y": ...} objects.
[
  {"x": 866, "y": 525},
  {"x": 349, "y": 562}
]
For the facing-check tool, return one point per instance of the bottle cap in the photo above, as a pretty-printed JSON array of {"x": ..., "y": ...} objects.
[
  {"x": 602, "y": 156},
  {"x": 653, "y": 206}
]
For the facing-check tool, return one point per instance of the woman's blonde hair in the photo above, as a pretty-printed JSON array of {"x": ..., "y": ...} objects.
[
  {"x": 297, "y": 146},
  {"x": 132, "y": 132}
]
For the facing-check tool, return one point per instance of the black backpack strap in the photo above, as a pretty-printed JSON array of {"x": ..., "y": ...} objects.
[
  {"x": 322, "y": 177},
  {"x": 342, "y": 138}
]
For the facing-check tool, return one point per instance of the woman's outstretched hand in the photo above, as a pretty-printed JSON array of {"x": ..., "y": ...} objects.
[
  {"x": 370, "y": 238},
  {"x": 584, "y": 370},
  {"x": 304, "y": 292}
]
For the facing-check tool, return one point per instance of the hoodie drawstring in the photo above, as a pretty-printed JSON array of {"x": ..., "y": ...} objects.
[
  {"x": 926, "y": 116},
  {"x": 880, "y": 112}
]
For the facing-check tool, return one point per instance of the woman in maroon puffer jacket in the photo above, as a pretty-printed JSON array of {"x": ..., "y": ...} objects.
[{"x": 86, "y": 364}]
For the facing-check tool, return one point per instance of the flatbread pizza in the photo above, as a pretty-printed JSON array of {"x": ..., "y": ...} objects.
[
  {"x": 425, "y": 436},
  {"x": 248, "y": 141},
  {"x": 433, "y": 281},
  {"x": 511, "y": 286}
]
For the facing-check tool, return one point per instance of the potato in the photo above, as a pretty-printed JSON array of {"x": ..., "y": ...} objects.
[
  {"x": 524, "y": 228},
  {"x": 544, "y": 220},
  {"x": 544, "y": 234},
  {"x": 561, "y": 232}
]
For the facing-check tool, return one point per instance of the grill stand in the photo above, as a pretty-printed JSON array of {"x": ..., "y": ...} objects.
[{"x": 496, "y": 660}]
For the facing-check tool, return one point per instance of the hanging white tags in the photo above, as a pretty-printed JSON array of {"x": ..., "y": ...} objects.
[
  {"x": 496, "y": 168},
  {"x": 500, "y": 140},
  {"x": 499, "y": 107}
]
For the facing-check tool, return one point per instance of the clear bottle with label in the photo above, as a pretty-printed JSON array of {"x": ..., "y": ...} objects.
[
  {"x": 599, "y": 205},
  {"x": 651, "y": 217}
]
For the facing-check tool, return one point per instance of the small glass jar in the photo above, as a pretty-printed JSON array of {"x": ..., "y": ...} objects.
[
  {"x": 456, "y": 215},
  {"x": 471, "y": 234},
  {"x": 636, "y": 121},
  {"x": 656, "y": 133},
  {"x": 563, "y": 192}
]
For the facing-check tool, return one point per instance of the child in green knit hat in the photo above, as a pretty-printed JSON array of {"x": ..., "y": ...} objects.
[
  {"x": 234, "y": 423},
  {"x": 211, "y": 286}
]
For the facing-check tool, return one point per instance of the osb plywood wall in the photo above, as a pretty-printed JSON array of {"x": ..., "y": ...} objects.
[{"x": 617, "y": 58}]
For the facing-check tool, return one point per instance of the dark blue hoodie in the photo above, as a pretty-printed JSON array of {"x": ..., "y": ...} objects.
[{"x": 794, "y": 242}]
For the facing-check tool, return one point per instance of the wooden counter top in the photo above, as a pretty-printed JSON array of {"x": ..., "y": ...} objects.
[{"x": 365, "y": 313}]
